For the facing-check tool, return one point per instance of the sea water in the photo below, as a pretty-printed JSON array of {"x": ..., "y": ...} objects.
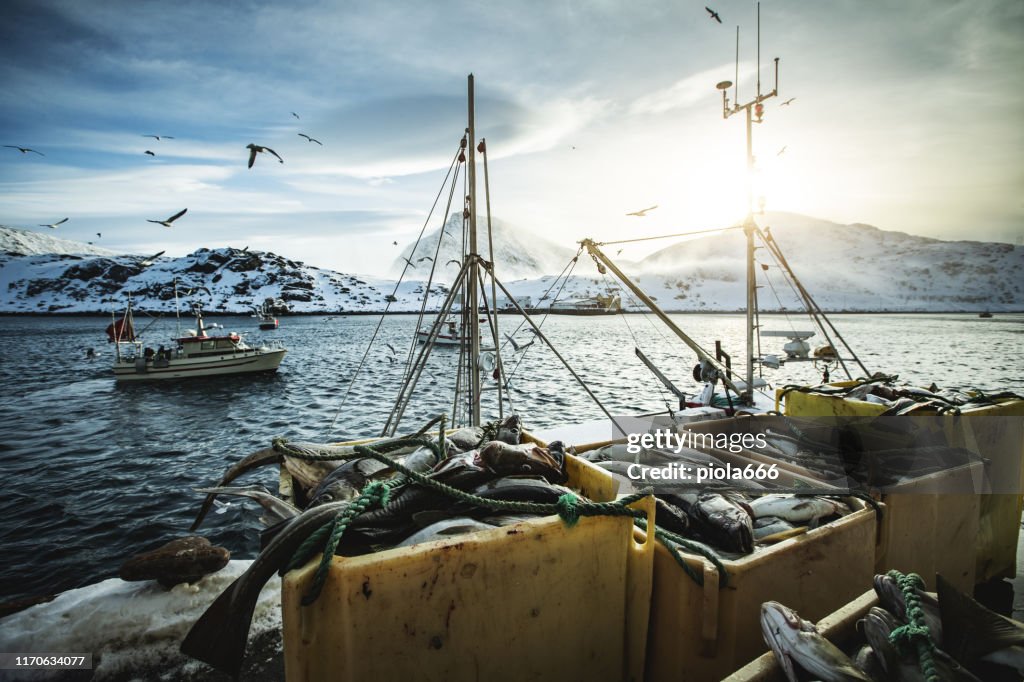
[{"x": 96, "y": 471}]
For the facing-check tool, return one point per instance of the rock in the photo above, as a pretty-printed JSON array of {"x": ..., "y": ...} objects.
[{"x": 184, "y": 560}]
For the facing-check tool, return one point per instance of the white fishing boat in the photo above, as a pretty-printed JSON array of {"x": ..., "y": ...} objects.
[
  {"x": 595, "y": 305},
  {"x": 449, "y": 335},
  {"x": 194, "y": 354}
]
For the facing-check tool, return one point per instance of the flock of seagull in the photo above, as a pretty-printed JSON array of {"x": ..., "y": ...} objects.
[{"x": 254, "y": 150}]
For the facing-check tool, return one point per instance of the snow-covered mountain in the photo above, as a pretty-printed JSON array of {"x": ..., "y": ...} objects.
[
  {"x": 224, "y": 280},
  {"x": 518, "y": 253},
  {"x": 845, "y": 267},
  {"x": 24, "y": 243}
]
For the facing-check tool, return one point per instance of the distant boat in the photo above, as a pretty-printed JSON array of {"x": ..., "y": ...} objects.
[
  {"x": 985, "y": 314},
  {"x": 597, "y": 305},
  {"x": 265, "y": 316}
]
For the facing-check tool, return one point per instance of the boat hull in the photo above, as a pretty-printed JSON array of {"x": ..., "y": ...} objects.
[
  {"x": 573, "y": 311},
  {"x": 185, "y": 368},
  {"x": 442, "y": 339}
]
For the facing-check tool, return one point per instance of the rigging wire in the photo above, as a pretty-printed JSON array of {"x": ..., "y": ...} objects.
[
  {"x": 390, "y": 299},
  {"x": 457, "y": 164},
  {"x": 669, "y": 236},
  {"x": 636, "y": 341},
  {"x": 570, "y": 266},
  {"x": 492, "y": 310}
]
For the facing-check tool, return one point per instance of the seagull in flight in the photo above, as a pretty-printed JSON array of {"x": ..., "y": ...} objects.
[
  {"x": 160, "y": 137},
  {"x": 24, "y": 150},
  {"x": 295, "y": 115},
  {"x": 53, "y": 226},
  {"x": 786, "y": 103},
  {"x": 457, "y": 262},
  {"x": 520, "y": 346},
  {"x": 167, "y": 223},
  {"x": 391, "y": 348},
  {"x": 149, "y": 152},
  {"x": 642, "y": 212},
  {"x": 311, "y": 139},
  {"x": 714, "y": 14},
  {"x": 255, "y": 149},
  {"x": 99, "y": 235},
  {"x": 395, "y": 243},
  {"x": 782, "y": 150},
  {"x": 429, "y": 258},
  {"x": 411, "y": 264},
  {"x": 146, "y": 262},
  {"x": 618, "y": 252}
]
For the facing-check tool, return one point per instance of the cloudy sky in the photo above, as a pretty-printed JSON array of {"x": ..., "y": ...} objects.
[{"x": 906, "y": 116}]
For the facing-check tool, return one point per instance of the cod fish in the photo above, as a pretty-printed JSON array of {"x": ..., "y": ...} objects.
[
  {"x": 254, "y": 461},
  {"x": 890, "y": 596},
  {"x": 344, "y": 483},
  {"x": 467, "y": 439},
  {"x": 527, "y": 458},
  {"x": 277, "y": 509},
  {"x": 972, "y": 631},
  {"x": 441, "y": 530},
  {"x": 796, "y": 642},
  {"x": 771, "y": 525},
  {"x": 718, "y": 519},
  {"x": 219, "y": 637},
  {"x": 877, "y": 627},
  {"x": 798, "y": 510},
  {"x": 510, "y": 431},
  {"x": 348, "y": 480}
]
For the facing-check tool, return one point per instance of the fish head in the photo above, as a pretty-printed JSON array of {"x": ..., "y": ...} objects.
[
  {"x": 890, "y": 595},
  {"x": 780, "y": 627},
  {"x": 877, "y": 628},
  {"x": 525, "y": 459},
  {"x": 336, "y": 492}
]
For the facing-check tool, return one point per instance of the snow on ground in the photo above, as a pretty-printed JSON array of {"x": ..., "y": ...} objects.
[
  {"x": 132, "y": 629},
  {"x": 845, "y": 267},
  {"x": 28, "y": 243}
]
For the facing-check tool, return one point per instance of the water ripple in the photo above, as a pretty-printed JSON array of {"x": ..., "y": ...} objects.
[{"x": 99, "y": 471}]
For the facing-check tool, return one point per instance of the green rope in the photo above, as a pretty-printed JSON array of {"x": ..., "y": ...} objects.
[
  {"x": 374, "y": 493},
  {"x": 672, "y": 541},
  {"x": 916, "y": 632}
]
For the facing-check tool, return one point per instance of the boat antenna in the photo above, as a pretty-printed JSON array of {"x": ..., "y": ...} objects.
[
  {"x": 474, "y": 269},
  {"x": 177, "y": 309},
  {"x": 754, "y": 110}
]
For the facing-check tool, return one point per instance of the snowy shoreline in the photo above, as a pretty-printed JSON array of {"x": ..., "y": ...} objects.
[{"x": 133, "y": 629}]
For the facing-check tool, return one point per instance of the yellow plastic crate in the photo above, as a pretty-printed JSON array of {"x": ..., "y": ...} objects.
[
  {"x": 999, "y": 440},
  {"x": 534, "y": 601},
  {"x": 704, "y": 633}
]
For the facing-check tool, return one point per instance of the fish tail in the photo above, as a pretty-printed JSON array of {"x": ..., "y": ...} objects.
[{"x": 219, "y": 637}]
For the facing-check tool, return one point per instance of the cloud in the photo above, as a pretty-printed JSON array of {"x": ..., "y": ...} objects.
[{"x": 687, "y": 91}]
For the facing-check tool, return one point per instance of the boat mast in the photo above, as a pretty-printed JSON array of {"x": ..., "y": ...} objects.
[
  {"x": 177, "y": 310},
  {"x": 474, "y": 268},
  {"x": 754, "y": 110}
]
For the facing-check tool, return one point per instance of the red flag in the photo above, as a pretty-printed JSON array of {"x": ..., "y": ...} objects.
[{"x": 121, "y": 330}]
